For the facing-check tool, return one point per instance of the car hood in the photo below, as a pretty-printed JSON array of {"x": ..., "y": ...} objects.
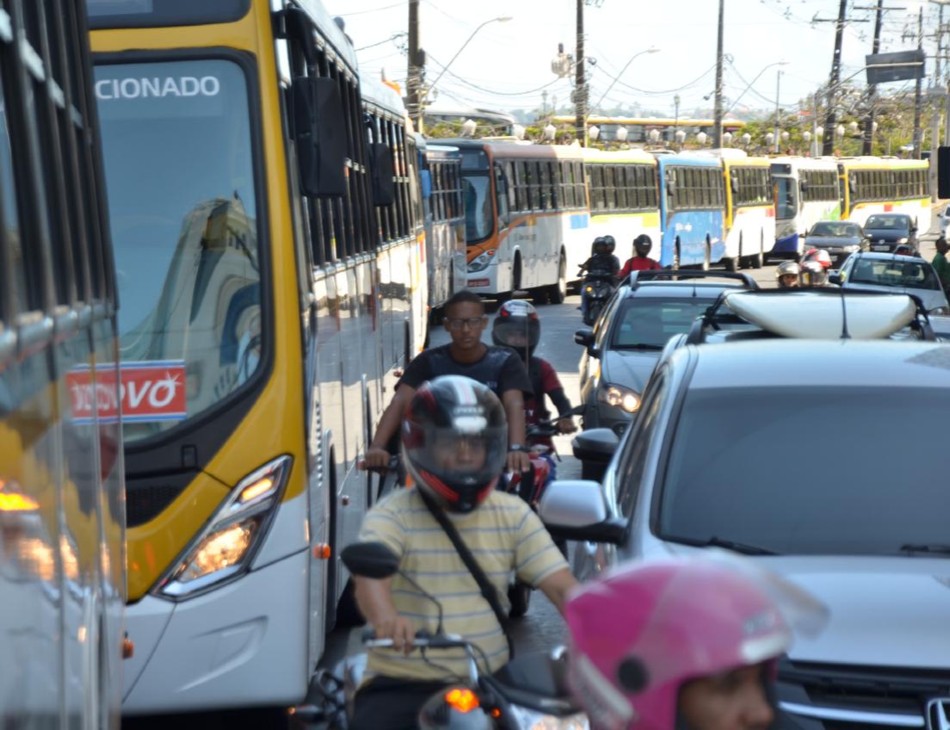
[
  {"x": 831, "y": 241},
  {"x": 932, "y": 298},
  {"x": 885, "y": 234},
  {"x": 629, "y": 368}
]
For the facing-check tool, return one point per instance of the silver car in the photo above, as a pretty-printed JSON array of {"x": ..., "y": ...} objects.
[
  {"x": 894, "y": 273},
  {"x": 792, "y": 451}
]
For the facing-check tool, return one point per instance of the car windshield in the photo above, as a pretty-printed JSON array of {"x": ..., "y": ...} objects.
[
  {"x": 896, "y": 273},
  {"x": 647, "y": 322},
  {"x": 808, "y": 470},
  {"x": 888, "y": 222},
  {"x": 836, "y": 229}
]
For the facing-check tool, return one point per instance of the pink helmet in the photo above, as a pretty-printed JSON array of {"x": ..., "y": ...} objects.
[{"x": 641, "y": 632}]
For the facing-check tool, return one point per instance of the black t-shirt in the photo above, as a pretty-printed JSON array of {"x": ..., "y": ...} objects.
[{"x": 500, "y": 369}]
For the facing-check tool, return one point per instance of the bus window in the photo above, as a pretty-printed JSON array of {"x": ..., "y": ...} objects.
[
  {"x": 12, "y": 240},
  {"x": 786, "y": 207},
  {"x": 501, "y": 192},
  {"x": 478, "y": 213}
]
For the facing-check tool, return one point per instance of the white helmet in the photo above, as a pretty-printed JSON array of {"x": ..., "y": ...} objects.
[{"x": 788, "y": 268}]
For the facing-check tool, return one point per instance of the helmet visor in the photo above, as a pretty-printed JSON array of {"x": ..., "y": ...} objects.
[
  {"x": 516, "y": 332},
  {"x": 463, "y": 457}
]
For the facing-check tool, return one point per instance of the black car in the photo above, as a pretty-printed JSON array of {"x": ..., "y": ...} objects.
[
  {"x": 887, "y": 231},
  {"x": 839, "y": 238}
]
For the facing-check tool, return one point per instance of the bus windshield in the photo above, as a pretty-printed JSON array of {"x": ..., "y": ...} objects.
[
  {"x": 180, "y": 179},
  {"x": 786, "y": 206},
  {"x": 479, "y": 218}
]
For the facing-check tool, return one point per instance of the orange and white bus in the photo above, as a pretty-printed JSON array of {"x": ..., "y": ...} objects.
[{"x": 526, "y": 217}]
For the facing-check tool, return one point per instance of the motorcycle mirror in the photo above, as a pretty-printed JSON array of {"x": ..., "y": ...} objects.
[{"x": 370, "y": 560}]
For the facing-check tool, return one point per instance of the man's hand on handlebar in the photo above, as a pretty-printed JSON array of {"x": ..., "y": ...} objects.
[
  {"x": 518, "y": 461},
  {"x": 400, "y": 630},
  {"x": 566, "y": 425},
  {"x": 375, "y": 458}
]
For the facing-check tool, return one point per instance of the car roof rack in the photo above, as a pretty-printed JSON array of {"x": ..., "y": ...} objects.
[
  {"x": 679, "y": 275},
  {"x": 717, "y": 315}
]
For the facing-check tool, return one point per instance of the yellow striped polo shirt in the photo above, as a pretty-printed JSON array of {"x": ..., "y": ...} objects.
[{"x": 504, "y": 535}]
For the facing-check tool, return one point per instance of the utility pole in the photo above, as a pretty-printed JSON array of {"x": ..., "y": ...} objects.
[
  {"x": 778, "y": 110},
  {"x": 717, "y": 103},
  {"x": 917, "y": 90},
  {"x": 580, "y": 85},
  {"x": 416, "y": 69},
  {"x": 872, "y": 88},
  {"x": 828, "y": 141}
]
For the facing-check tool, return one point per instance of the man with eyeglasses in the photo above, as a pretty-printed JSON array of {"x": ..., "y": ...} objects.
[{"x": 499, "y": 368}]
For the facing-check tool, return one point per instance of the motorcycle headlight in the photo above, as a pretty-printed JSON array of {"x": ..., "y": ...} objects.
[
  {"x": 224, "y": 549},
  {"x": 538, "y": 721},
  {"x": 480, "y": 262},
  {"x": 619, "y": 397}
]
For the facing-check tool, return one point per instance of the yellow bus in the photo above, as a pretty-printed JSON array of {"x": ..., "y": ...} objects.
[
  {"x": 526, "y": 217},
  {"x": 267, "y": 228},
  {"x": 622, "y": 188},
  {"x": 750, "y": 209},
  {"x": 62, "y": 560},
  {"x": 869, "y": 185}
]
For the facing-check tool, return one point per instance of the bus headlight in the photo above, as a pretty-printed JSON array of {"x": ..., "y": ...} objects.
[
  {"x": 224, "y": 549},
  {"x": 480, "y": 262},
  {"x": 619, "y": 397}
]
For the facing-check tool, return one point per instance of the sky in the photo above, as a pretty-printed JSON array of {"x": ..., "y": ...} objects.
[{"x": 507, "y": 64}]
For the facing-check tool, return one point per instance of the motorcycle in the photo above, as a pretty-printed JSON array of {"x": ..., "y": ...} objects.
[
  {"x": 530, "y": 486},
  {"x": 528, "y": 692},
  {"x": 596, "y": 289}
]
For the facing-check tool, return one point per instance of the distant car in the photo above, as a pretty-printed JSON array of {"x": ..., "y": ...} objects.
[
  {"x": 785, "y": 451},
  {"x": 887, "y": 231},
  {"x": 894, "y": 273},
  {"x": 620, "y": 352},
  {"x": 838, "y": 238}
]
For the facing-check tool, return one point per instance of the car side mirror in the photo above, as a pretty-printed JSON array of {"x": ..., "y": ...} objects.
[
  {"x": 835, "y": 278},
  {"x": 578, "y": 510},
  {"x": 595, "y": 444}
]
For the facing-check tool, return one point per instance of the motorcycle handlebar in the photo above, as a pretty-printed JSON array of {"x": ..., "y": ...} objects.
[{"x": 423, "y": 639}]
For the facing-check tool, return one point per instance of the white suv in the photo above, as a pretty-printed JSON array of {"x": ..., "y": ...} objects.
[{"x": 825, "y": 460}]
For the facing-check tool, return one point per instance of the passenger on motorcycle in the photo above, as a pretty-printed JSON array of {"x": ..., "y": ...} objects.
[
  {"x": 787, "y": 274},
  {"x": 641, "y": 260},
  {"x": 815, "y": 265},
  {"x": 518, "y": 326},
  {"x": 687, "y": 643},
  {"x": 454, "y": 440},
  {"x": 601, "y": 263}
]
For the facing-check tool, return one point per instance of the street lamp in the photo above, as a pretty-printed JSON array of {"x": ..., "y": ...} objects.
[
  {"x": 651, "y": 49},
  {"x": 778, "y": 86},
  {"x": 676, "y": 116},
  {"x": 500, "y": 19},
  {"x": 751, "y": 83}
]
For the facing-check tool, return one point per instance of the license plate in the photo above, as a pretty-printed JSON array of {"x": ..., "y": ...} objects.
[{"x": 880, "y": 248}]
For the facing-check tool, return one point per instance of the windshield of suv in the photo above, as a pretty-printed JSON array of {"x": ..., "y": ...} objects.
[
  {"x": 647, "y": 323},
  {"x": 888, "y": 222},
  {"x": 896, "y": 273},
  {"x": 769, "y": 467},
  {"x": 837, "y": 229}
]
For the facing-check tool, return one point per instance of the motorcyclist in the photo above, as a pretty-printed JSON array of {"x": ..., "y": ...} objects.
[
  {"x": 454, "y": 440},
  {"x": 641, "y": 260},
  {"x": 687, "y": 643},
  {"x": 815, "y": 265},
  {"x": 787, "y": 273},
  {"x": 518, "y": 326},
  {"x": 600, "y": 263}
]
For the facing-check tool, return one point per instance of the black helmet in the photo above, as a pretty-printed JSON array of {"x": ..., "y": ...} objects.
[
  {"x": 599, "y": 245},
  {"x": 455, "y": 440},
  {"x": 642, "y": 244},
  {"x": 517, "y": 326},
  {"x": 611, "y": 243}
]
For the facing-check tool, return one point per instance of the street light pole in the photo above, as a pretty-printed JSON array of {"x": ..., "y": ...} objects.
[
  {"x": 676, "y": 116},
  {"x": 651, "y": 49},
  {"x": 580, "y": 85},
  {"x": 717, "y": 104},
  {"x": 778, "y": 86}
]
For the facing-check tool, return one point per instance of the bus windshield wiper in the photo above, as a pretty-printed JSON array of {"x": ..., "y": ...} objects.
[
  {"x": 935, "y": 548},
  {"x": 714, "y": 541}
]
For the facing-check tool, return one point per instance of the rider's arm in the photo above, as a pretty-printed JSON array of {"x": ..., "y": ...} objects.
[
  {"x": 513, "y": 401},
  {"x": 377, "y": 454},
  {"x": 557, "y": 586},
  {"x": 374, "y": 598},
  {"x": 553, "y": 389}
]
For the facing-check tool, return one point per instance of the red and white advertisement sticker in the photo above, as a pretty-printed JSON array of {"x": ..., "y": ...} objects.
[{"x": 148, "y": 391}]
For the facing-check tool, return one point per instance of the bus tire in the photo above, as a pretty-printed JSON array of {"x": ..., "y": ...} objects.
[
  {"x": 557, "y": 292},
  {"x": 758, "y": 261}
]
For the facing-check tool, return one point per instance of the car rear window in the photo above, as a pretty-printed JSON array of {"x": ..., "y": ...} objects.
[
  {"x": 648, "y": 322},
  {"x": 849, "y": 471},
  {"x": 896, "y": 273}
]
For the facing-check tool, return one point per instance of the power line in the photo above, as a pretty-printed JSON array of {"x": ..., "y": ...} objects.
[
  {"x": 372, "y": 10},
  {"x": 490, "y": 91}
]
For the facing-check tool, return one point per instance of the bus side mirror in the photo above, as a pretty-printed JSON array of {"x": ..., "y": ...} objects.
[
  {"x": 425, "y": 184},
  {"x": 320, "y": 134},
  {"x": 384, "y": 187}
]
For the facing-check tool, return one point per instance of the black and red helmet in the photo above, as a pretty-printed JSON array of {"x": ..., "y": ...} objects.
[
  {"x": 518, "y": 326},
  {"x": 642, "y": 244},
  {"x": 455, "y": 441}
]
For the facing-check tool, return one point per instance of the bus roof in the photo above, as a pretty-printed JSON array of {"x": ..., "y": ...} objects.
[
  {"x": 804, "y": 163},
  {"x": 377, "y": 92},
  {"x": 634, "y": 154},
  {"x": 687, "y": 159},
  {"x": 886, "y": 163},
  {"x": 523, "y": 150}
]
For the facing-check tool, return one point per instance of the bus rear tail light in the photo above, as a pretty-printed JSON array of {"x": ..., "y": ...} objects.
[{"x": 224, "y": 549}]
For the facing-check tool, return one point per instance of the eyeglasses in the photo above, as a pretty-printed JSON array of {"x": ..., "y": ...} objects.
[{"x": 471, "y": 323}]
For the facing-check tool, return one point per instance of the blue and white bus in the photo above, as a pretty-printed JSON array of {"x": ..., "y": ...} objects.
[
  {"x": 692, "y": 203},
  {"x": 805, "y": 191}
]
